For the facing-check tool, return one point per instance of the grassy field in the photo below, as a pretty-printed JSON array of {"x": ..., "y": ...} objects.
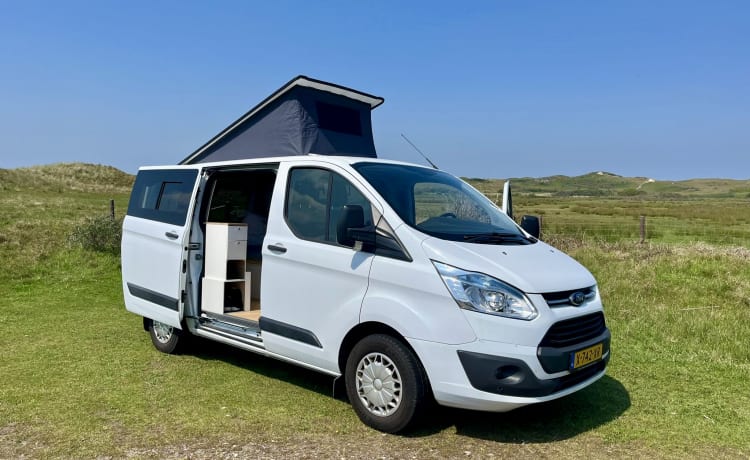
[
  {"x": 604, "y": 207},
  {"x": 81, "y": 379}
]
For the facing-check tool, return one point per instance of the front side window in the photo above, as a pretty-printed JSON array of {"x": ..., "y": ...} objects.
[
  {"x": 441, "y": 205},
  {"x": 163, "y": 196},
  {"x": 315, "y": 199}
]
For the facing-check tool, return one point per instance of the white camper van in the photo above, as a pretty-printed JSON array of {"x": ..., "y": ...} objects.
[{"x": 404, "y": 280}]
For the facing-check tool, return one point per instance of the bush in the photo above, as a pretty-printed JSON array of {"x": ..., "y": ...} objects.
[
  {"x": 100, "y": 233},
  {"x": 631, "y": 192}
]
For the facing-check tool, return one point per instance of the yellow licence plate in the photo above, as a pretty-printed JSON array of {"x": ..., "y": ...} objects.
[{"x": 586, "y": 356}]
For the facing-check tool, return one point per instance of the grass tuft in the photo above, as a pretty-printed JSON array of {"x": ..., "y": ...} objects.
[{"x": 100, "y": 233}]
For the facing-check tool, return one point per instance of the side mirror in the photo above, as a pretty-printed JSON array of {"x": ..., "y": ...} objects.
[
  {"x": 531, "y": 225},
  {"x": 351, "y": 229}
]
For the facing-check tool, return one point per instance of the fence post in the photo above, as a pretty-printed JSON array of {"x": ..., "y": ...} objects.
[
  {"x": 540, "y": 226},
  {"x": 112, "y": 209},
  {"x": 643, "y": 229}
]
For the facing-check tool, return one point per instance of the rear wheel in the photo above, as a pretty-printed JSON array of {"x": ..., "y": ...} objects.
[
  {"x": 165, "y": 338},
  {"x": 385, "y": 383}
]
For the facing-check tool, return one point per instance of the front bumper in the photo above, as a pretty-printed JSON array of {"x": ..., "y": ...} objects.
[
  {"x": 513, "y": 377},
  {"x": 498, "y": 377}
]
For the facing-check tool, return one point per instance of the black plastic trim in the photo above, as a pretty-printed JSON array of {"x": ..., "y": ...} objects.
[
  {"x": 512, "y": 377},
  {"x": 154, "y": 297},
  {"x": 558, "y": 359},
  {"x": 574, "y": 331},
  {"x": 276, "y": 248},
  {"x": 382, "y": 250},
  {"x": 289, "y": 331}
]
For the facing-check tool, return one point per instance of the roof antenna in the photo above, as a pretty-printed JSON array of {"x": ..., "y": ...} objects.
[{"x": 420, "y": 152}]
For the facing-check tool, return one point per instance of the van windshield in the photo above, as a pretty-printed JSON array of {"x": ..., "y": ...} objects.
[{"x": 441, "y": 205}]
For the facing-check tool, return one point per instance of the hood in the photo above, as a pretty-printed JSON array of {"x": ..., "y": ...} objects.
[{"x": 533, "y": 268}]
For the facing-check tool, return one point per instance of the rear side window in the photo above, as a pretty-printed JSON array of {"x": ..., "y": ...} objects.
[{"x": 162, "y": 195}]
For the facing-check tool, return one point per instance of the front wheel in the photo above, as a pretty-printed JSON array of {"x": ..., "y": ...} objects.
[
  {"x": 165, "y": 338},
  {"x": 385, "y": 383}
]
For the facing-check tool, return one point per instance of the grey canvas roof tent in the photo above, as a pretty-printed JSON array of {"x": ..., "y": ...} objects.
[{"x": 304, "y": 116}]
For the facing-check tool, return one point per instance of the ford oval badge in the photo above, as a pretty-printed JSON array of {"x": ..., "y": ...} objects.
[{"x": 577, "y": 298}]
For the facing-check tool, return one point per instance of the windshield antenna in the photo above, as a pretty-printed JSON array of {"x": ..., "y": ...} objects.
[{"x": 419, "y": 151}]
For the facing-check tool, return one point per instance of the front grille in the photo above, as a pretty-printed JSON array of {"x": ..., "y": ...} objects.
[
  {"x": 575, "y": 330},
  {"x": 562, "y": 298}
]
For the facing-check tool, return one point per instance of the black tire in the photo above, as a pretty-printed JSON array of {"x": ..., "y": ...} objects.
[
  {"x": 166, "y": 339},
  {"x": 404, "y": 383}
]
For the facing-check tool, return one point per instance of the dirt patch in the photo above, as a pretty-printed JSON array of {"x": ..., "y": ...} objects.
[
  {"x": 16, "y": 443},
  {"x": 386, "y": 447}
]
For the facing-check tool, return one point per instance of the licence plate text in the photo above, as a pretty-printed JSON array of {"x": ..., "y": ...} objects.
[{"x": 586, "y": 356}]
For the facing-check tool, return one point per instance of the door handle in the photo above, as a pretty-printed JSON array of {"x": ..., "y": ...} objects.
[
  {"x": 171, "y": 235},
  {"x": 277, "y": 248}
]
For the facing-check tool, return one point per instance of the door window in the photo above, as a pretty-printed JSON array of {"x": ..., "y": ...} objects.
[
  {"x": 315, "y": 201},
  {"x": 163, "y": 196}
]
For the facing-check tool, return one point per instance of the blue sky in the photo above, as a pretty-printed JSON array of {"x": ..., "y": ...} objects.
[{"x": 487, "y": 89}]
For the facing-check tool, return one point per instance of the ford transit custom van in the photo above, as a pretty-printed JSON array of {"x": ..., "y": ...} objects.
[{"x": 403, "y": 280}]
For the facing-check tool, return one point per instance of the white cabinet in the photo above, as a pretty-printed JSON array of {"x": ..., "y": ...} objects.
[
  {"x": 226, "y": 246},
  {"x": 226, "y": 282}
]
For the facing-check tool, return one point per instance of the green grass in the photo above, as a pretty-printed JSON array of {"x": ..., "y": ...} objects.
[
  {"x": 607, "y": 185},
  {"x": 81, "y": 379},
  {"x": 680, "y": 319},
  {"x": 712, "y": 220},
  {"x": 607, "y": 208}
]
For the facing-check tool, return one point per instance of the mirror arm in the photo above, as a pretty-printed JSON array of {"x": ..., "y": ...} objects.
[{"x": 364, "y": 236}]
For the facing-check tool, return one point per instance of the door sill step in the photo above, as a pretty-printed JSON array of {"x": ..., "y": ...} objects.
[
  {"x": 230, "y": 319},
  {"x": 234, "y": 328}
]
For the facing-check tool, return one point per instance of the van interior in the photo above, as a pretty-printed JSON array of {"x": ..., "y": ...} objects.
[{"x": 238, "y": 201}]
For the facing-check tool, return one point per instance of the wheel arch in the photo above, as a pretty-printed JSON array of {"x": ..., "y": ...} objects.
[
  {"x": 374, "y": 338},
  {"x": 361, "y": 331}
]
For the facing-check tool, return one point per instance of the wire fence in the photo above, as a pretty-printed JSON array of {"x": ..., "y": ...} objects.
[{"x": 646, "y": 228}]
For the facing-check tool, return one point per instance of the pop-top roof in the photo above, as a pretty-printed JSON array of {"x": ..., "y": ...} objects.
[{"x": 304, "y": 116}]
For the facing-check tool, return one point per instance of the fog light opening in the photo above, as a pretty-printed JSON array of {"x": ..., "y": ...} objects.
[{"x": 508, "y": 374}]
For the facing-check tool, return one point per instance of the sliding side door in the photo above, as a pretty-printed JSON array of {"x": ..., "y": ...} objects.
[{"x": 155, "y": 234}]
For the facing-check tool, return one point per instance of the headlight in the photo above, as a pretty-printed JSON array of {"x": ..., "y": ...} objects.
[{"x": 479, "y": 292}]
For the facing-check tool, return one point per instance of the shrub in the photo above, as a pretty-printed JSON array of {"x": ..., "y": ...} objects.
[
  {"x": 100, "y": 233},
  {"x": 631, "y": 192}
]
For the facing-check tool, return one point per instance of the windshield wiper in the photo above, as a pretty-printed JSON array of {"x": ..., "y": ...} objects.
[{"x": 496, "y": 237}]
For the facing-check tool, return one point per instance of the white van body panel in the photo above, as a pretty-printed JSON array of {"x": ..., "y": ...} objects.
[
  {"x": 313, "y": 286},
  {"x": 261, "y": 351},
  {"x": 158, "y": 274},
  {"x": 532, "y": 268},
  {"x": 153, "y": 254},
  {"x": 411, "y": 298}
]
